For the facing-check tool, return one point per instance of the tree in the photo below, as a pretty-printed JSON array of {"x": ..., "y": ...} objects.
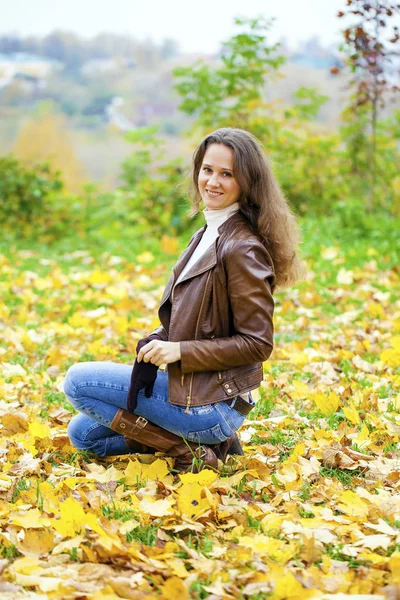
[
  {"x": 369, "y": 58},
  {"x": 225, "y": 93},
  {"x": 45, "y": 139}
]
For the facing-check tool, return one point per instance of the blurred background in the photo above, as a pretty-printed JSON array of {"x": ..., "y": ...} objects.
[{"x": 103, "y": 102}]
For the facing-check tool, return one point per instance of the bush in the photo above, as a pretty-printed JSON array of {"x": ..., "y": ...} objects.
[
  {"x": 24, "y": 191},
  {"x": 153, "y": 196}
]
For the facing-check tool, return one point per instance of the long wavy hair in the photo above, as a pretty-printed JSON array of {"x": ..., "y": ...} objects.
[{"x": 261, "y": 201}]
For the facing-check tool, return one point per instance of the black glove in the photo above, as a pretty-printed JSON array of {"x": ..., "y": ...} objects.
[{"x": 143, "y": 375}]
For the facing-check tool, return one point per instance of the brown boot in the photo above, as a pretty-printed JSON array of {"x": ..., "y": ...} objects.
[
  {"x": 189, "y": 456},
  {"x": 230, "y": 446},
  {"x": 138, "y": 447}
]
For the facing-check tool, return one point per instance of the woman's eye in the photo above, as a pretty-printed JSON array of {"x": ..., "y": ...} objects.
[{"x": 225, "y": 172}]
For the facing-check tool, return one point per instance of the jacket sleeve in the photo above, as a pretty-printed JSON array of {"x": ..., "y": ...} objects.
[
  {"x": 250, "y": 282},
  {"x": 161, "y": 332}
]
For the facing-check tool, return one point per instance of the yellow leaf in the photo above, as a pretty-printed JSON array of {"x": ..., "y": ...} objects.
[
  {"x": 127, "y": 526},
  {"x": 156, "y": 508},
  {"x": 301, "y": 390},
  {"x": 352, "y": 505},
  {"x": 98, "y": 276},
  {"x": 299, "y": 359},
  {"x": 372, "y": 557},
  {"x": 29, "y": 519},
  {"x": 391, "y": 356},
  {"x": 63, "y": 547},
  {"x": 177, "y": 566},
  {"x": 327, "y": 404},
  {"x": 267, "y": 546},
  {"x": 73, "y": 519},
  {"x": 122, "y": 324},
  {"x": 298, "y": 450},
  {"x": 145, "y": 257},
  {"x": 287, "y": 587},
  {"x": 116, "y": 291},
  {"x": 364, "y": 434},
  {"x": 136, "y": 471},
  {"x": 45, "y": 584},
  {"x": 27, "y": 565},
  {"x": 192, "y": 500},
  {"x": 40, "y": 430},
  {"x": 174, "y": 588},
  {"x": 13, "y": 423},
  {"x": 394, "y": 566},
  {"x": 11, "y": 370},
  {"x": 375, "y": 310},
  {"x": 37, "y": 541},
  {"x": 78, "y": 320},
  {"x": 227, "y": 482},
  {"x": 169, "y": 245},
  {"x": 111, "y": 474},
  {"x": 290, "y": 476},
  {"x": 351, "y": 413},
  {"x": 205, "y": 477}
]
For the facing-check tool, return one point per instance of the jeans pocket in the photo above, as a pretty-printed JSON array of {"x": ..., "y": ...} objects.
[
  {"x": 213, "y": 435},
  {"x": 232, "y": 417}
]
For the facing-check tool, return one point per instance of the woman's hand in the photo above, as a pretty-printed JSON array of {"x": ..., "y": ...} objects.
[{"x": 158, "y": 352}]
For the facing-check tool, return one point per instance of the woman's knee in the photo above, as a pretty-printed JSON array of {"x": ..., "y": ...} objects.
[
  {"x": 76, "y": 434},
  {"x": 77, "y": 431},
  {"x": 74, "y": 376},
  {"x": 78, "y": 440}
]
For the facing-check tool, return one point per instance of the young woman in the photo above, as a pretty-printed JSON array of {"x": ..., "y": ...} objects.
[{"x": 216, "y": 318}]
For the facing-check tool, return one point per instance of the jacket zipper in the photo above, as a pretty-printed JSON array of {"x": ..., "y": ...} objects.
[{"x": 189, "y": 397}]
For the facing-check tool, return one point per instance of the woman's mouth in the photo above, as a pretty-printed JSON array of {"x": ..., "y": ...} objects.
[{"x": 213, "y": 194}]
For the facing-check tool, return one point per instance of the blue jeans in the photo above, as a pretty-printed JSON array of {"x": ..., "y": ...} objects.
[{"x": 98, "y": 389}]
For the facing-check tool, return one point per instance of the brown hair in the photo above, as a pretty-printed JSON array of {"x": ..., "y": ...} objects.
[{"x": 262, "y": 202}]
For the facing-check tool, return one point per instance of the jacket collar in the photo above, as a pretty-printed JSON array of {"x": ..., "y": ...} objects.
[{"x": 209, "y": 258}]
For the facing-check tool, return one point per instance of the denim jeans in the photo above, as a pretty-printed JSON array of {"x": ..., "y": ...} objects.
[{"x": 98, "y": 389}]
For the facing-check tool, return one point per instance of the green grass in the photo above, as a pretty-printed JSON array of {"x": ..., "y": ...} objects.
[
  {"x": 345, "y": 476},
  {"x": 146, "y": 534},
  {"x": 54, "y": 399},
  {"x": 336, "y": 553},
  {"x": 113, "y": 512}
]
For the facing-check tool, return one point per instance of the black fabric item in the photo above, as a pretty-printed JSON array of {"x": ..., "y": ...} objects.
[
  {"x": 241, "y": 405},
  {"x": 143, "y": 375}
]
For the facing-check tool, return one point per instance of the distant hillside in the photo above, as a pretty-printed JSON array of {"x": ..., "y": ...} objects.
[{"x": 110, "y": 84}]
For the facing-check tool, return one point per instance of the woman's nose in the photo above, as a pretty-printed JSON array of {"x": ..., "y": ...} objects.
[{"x": 213, "y": 180}]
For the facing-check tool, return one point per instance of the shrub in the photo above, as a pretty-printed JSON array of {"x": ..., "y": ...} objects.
[{"x": 24, "y": 191}]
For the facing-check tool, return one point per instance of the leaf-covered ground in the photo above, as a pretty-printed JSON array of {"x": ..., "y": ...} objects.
[{"x": 311, "y": 511}]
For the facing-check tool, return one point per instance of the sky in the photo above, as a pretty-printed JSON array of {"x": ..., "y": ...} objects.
[{"x": 198, "y": 26}]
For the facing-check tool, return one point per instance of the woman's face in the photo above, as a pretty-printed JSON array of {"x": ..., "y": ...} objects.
[{"x": 217, "y": 186}]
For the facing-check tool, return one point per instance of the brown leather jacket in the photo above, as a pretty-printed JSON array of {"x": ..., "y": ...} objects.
[{"x": 221, "y": 313}]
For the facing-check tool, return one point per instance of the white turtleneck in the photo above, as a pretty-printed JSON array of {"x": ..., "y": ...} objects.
[{"x": 214, "y": 219}]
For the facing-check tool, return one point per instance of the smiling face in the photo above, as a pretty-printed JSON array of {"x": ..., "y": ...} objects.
[{"x": 217, "y": 185}]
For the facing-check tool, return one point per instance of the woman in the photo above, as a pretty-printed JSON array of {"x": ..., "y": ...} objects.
[{"x": 216, "y": 322}]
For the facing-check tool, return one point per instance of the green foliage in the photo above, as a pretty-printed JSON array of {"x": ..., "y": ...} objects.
[
  {"x": 224, "y": 94},
  {"x": 232, "y": 95},
  {"x": 322, "y": 172},
  {"x": 25, "y": 191},
  {"x": 317, "y": 169},
  {"x": 153, "y": 195},
  {"x": 356, "y": 157}
]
